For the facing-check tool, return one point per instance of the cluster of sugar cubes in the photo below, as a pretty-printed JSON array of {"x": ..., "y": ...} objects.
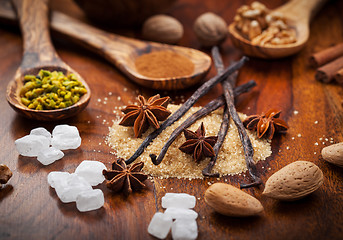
[
  {"x": 178, "y": 208},
  {"x": 77, "y": 187},
  {"x": 48, "y": 147}
]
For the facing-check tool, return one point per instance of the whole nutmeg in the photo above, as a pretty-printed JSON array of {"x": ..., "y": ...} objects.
[
  {"x": 210, "y": 29},
  {"x": 162, "y": 28}
]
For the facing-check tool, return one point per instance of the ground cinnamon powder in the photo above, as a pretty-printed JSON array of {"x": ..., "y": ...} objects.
[{"x": 164, "y": 64}]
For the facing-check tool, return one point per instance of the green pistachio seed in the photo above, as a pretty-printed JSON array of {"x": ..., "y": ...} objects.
[{"x": 51, "y": 90}]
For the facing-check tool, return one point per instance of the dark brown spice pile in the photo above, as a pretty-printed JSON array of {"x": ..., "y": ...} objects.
[{"x": 164, "y": 64}]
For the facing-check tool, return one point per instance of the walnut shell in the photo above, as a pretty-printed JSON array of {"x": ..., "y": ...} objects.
[
  {"x": 210, "y": 29},
  {"x": 162, "y": 28}
]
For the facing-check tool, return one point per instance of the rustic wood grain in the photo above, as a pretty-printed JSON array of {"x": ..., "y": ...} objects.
[{"x": 31, "y": 210}]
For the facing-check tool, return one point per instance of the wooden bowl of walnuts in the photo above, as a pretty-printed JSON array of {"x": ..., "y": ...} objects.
[{"x": 122, "y": 13}]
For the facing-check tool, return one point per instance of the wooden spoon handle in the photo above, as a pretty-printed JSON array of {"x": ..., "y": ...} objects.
[
  {"x": 114, "y": 48},
  {"x": 106, "y": 44},
  {"x": 38, "y": 49},
  {"x": 301, "y": 10}
]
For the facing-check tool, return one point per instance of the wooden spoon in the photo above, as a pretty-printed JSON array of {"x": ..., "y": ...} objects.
[
  {"x": 298, "y": 14},
  {"x": 122, "y": 51},
  {"x": 39, "y": 53}
]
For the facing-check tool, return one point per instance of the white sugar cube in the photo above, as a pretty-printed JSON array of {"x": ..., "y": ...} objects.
[
  {"x": 65, "y": 137},
  {"x": 160, "y": 225},
  {"x": 178, "y": 200},
  {"x": 65, "y": 130},
  {"x": 68, "y": 190},
  {"x": 181, "y": 213},
  {"x": 41, "y": 132},
  {"x": 31, "y": 145},
  {"x": 49, "y": 155},
  {"x": 91, "y": 171},
  {"x": 56, "y": 178},
  {"x": 90, "y": 200},
  {"x": 185, "y": 229}
]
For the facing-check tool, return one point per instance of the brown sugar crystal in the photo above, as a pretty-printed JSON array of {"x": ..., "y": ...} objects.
[
  {"x": 179, "y": 164},
  {"x": 164, "y": 64}
]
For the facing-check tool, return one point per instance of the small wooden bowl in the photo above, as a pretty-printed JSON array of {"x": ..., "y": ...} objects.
[
  {"x": 14, "y": 99},
  {"x": 298, "y": 14}
]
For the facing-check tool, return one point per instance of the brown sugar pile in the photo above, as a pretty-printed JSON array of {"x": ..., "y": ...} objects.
[
  {"x": 164, "y": 64},
  {"x": 181, "y": 165}
]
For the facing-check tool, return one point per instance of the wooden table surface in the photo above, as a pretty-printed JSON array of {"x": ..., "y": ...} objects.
[{"x": 30, "y": 209}]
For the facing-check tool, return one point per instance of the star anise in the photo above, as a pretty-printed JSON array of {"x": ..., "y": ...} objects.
[
  {"x": 146, "y": 113},
  {"x": 197, "y": 144},
  {"x": 125, "y": 178},
  {"x": 266, "y": 124}
]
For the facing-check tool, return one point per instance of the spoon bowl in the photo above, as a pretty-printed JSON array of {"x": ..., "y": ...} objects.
[
  {"x": 14, "y": 98},
  {"x": 39, "y": 54},
  {"x": 298, "y": 14},
  {"x": 201, "y": 61}
]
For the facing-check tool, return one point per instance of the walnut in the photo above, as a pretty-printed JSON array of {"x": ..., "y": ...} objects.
[
  {"x": 254, "y": 13},
  {"x": 243, "y": 9},
  {"x": 210, "y": 29},
  {"x": 162, "y": 28},
  {"x": 274, "y": 16},
  {"x": 279, "y": 24},
  {"x": 5, "y": 174},
  {"x": 255, "y": 29},
  {"x": 262, "y": 27},
  {"x": 259, "y": 6}
]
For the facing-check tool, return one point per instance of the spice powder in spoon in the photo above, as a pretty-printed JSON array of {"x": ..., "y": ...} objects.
[{"x": 164, "y": 64}]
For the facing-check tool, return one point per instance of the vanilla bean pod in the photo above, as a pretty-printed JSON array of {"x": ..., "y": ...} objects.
[
  {"x": 208, "y": 108},
  {"x": 224, "y": 126},
  {"x": 201, "y": 91},
  {"x": 246, "y": 143}
]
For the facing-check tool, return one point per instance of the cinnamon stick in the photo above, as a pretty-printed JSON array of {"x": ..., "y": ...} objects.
[
  {"x": 327, "y": 72},
  {"x": 327, "y": 55},
  {"x": 339, "y": 76}
]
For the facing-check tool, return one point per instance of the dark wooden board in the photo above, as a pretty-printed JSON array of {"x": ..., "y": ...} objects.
[{"x": 29, "y": 209}]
